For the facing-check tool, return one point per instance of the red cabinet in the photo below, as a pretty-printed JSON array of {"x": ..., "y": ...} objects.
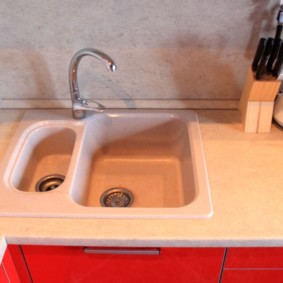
[
  {"x": 18, "y": 259},
  {"x": 8, "y": 272},
  {"x": 103, "y": 265},
  {"x": 253, "y": 265},
  {"x": 254, "y": 258},
  {"x": 76, "y": 264},
  {"x": 3, "y": 277},
  {"x": 252, "y": 276}
]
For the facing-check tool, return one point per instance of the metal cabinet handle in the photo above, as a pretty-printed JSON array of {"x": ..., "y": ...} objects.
[{"x": 122, "y": 251}]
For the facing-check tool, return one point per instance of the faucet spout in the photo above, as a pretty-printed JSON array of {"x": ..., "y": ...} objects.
[{"x": 79, "y": 104}]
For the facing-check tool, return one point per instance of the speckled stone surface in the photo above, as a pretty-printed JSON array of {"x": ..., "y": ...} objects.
[
  {"x": 190, "y": 50},
  {"x": 245, "y": 173}
]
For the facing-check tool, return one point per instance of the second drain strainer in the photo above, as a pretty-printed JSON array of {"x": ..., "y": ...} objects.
[{"x": 117, "y": 197}]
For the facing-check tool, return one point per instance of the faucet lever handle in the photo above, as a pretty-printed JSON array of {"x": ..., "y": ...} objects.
[{"x": 88, "y": 104}]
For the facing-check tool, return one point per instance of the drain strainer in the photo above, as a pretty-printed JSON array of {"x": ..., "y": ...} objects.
[
  {"x": 117, "y": 197},
  {"x": 49, "y": 183}
]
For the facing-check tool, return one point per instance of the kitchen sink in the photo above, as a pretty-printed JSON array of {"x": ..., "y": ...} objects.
[
  {"x": 113, "y": 164},
  {"x": 46, "y": 152}
]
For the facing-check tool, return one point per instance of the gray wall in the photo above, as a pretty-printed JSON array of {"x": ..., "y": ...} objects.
[{"x": 164, "y": 49}]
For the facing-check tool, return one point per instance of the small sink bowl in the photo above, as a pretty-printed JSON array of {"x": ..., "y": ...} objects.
[
  {"x": 155, "y": 155},
  {"x": 45, "y": 152}
]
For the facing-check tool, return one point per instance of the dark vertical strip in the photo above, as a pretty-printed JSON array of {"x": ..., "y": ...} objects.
[{"x": 223, "y": 265}]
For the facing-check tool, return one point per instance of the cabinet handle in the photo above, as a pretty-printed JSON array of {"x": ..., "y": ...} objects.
[{"x": 122, "y": 251}]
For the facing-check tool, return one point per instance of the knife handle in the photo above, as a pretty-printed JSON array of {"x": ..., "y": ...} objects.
[
  {"x": 262, "y": 64},
  {"x": 259, "y": 53},
  {"x": 273, "y": 55},
  {"x": 278, "y": 63},
  {"x": 278, "y": 32}
]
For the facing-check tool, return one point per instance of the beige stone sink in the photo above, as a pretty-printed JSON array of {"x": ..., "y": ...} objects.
[
  {"x": 47, "y": 151},
  {"x": 60, "y": 167}
]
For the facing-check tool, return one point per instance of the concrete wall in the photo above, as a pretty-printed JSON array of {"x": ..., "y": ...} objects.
[{"x": 164, "y": 49}]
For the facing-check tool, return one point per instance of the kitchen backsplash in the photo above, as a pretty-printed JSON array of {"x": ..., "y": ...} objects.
[{"x": 165, "y": 50}]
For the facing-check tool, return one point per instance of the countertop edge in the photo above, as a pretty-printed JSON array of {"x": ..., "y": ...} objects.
[{"x": 3, "y": 247}]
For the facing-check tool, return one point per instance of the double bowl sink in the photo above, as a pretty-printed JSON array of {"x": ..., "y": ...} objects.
[{"x": 113, "y": 164}]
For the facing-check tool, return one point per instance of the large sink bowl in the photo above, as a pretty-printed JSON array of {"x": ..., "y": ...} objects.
[{"x": 114, "y": 164}]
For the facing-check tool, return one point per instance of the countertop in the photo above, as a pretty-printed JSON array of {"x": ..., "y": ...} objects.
[{"x": 246, "y": 180}]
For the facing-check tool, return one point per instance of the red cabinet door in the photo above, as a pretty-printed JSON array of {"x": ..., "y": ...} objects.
[
  {"x": 254, "y": 258},
  {"x": 10, "y": 269},
  {"x": 253, "y": 265},
  {"x": 252, "y": 276},
  {"x": 19, "y": 262},
  {"x": 3, "y": 277},
  {"x": 72, "y": 264}
]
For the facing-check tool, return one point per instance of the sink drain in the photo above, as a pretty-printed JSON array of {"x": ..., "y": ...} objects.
[
  {"x": 49, "y": 183},
  {"x": 117, "y": 197}
]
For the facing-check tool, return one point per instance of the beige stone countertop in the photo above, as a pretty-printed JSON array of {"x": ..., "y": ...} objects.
[{"x": 246, "y": 179}]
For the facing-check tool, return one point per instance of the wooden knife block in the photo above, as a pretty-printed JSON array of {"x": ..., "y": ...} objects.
[{"x": 256, "y": 103}]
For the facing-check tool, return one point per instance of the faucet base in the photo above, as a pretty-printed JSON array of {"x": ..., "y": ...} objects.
[{"x": 79, "y": 114}]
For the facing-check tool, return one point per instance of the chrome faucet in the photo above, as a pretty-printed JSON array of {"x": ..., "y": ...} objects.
[{"x": 79, "y": 104}]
